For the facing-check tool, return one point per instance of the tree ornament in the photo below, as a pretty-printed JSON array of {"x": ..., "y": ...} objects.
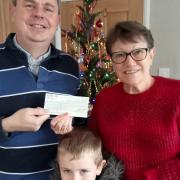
[
  {"x": 82, "y": 68},
  {"x": 108, "y": 57},
  {"x": 106, "y": 77},
  {"x": 89, "y": 1},
  {"x": 81, "y": 74},
  {"x": 99, "y": 23},
  {"x": 94, "y": 46},
  {"x": 87, "y": 44},
  {"x": 99, "y": 64},
  {"x": 81, "y": 59},
  {"x": 86, "y": 60}
]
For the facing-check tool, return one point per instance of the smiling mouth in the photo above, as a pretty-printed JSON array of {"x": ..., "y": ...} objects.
[
  {"x": 131, "y": 71},
  {"x": 38, "y": 26}
]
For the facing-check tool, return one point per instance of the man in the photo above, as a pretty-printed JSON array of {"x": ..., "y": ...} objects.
[{"x": 30, "y": 66}]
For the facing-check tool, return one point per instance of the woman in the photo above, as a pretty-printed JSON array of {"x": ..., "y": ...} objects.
[{"x": 138, "y": 119}]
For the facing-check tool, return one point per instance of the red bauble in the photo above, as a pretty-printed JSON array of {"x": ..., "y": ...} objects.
[{"x": 99, "y": 23}]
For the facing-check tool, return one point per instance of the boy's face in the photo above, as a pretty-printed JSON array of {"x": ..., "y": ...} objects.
[{"x": 83, "y": 168}]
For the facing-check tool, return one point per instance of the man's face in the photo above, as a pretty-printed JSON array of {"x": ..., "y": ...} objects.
[
  {"x": 35, "y": 20},
  {"x": 83, "y": 168}
]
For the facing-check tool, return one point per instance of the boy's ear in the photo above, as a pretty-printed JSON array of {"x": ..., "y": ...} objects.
[{"x": 100, "y": 167}]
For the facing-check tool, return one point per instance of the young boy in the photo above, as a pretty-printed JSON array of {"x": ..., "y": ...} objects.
[{"x": 80, "y": 157}]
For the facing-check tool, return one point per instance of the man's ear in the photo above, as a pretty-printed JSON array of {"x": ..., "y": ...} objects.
[{"x": 100, "y": 167}]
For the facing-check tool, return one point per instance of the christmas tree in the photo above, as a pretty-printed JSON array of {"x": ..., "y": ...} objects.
[{"x": 86, "y": 42}]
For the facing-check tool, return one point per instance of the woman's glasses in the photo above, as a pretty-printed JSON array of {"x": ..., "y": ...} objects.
[{"x": 137, "y": 55}]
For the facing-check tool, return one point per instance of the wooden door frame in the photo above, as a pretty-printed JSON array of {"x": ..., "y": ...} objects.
[{"x": 146, "y": 13}]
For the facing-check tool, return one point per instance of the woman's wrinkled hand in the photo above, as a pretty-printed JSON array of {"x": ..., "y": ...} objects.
[{"x": 62, "y": 124}]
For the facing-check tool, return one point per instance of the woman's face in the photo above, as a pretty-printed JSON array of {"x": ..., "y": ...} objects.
[{"x": 133, "y": 73}]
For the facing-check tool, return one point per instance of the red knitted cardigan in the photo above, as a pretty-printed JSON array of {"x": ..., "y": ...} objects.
[{"x": 143, "y": 129}]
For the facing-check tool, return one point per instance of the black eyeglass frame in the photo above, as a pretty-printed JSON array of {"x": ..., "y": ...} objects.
[{"x": 130, "y": 53}]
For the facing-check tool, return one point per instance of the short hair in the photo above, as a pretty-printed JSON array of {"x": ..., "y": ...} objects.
[
  {"x": 81, "y": 140},
  {"x": 128, "y": 31},
  {"x": 58, "y": 2}
]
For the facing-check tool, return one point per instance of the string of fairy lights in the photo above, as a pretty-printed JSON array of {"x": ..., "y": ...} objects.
[{"x": 86, "y": 42}]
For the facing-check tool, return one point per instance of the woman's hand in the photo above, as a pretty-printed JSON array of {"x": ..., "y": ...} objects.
[{"x": 62, "y": 124}]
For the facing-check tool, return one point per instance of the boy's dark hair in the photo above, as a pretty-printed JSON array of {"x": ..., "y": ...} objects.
[{"x": 128, "y": 31}]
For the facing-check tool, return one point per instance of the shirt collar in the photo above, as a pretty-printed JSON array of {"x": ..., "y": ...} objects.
[{"x": 40, "y": 58}]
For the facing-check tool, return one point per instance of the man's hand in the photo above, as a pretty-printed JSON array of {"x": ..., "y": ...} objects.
[
  {"x": 27, "y": 119},
  {"x": 62, "y": 124}
]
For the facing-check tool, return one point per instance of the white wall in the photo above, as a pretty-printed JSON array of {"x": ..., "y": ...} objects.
[{"x": 165, "y": 27}]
